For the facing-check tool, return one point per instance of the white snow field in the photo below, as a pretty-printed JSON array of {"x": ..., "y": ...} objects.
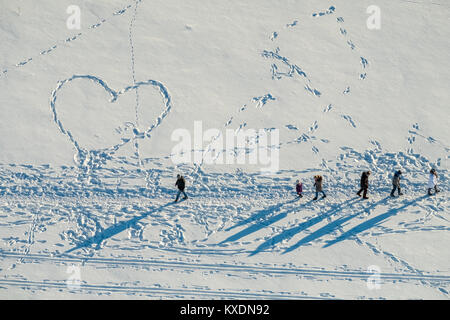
[{"x": 87, "y": 177}]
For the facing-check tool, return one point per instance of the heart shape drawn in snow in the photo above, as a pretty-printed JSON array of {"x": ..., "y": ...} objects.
[{"x": 93, "y": 158}]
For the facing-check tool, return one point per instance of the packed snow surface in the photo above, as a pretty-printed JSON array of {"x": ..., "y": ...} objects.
[{"x": 86, "y": 164}]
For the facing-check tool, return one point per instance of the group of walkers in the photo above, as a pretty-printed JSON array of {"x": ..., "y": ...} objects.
[
  {"x": 364, "y": 185},
  {"x": 318, "y": 184}
]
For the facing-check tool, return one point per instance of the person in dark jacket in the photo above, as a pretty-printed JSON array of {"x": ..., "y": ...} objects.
[
  {"x": 181, "y": 184},
  {"x": 299, "y": 188},
  {"x": 396, "y": 183},
  {"x": 318, "y": 181},
  {"x": 364, "y": 184}
]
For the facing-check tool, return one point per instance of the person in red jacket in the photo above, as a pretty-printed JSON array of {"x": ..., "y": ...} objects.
[{"x": 299, "y": 188}]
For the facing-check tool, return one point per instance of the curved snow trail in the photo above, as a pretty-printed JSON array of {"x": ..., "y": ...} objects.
[
  {"x": 87, "y": 157},
  {"x": 133, "y": 76},
  {"x": 133, "y": 70},
  {"x": 294, "y": 69},
  {"x": 69, "y": 39},
  {"x": 222, "y": 267},
  {"x": 155, "y": 292}
]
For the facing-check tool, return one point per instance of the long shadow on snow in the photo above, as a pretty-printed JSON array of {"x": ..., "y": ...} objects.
[
  {"x": 301, "y": 227},
  {"x": 371, "y": 222},
  {"x": 264, "y": 221},
  {"x": 261, "y": 214},
  {"x": 114, "y": 230},
  {"x": 331, "y": 227}
]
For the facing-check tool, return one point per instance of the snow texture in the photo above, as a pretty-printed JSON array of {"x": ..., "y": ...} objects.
[{"x": 87, "y": 180}]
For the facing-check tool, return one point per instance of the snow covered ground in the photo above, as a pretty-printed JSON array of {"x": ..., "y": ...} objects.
[{"x": 87, "y": 174}]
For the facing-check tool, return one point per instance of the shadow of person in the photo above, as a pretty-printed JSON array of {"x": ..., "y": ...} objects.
[
  {"x": 262, "y": 218},
  {"x": 366, "y": 225},
  {"x": 332, "y": 226},
  {"x": 261, "y": 214},
  {"x": 301, "y": 227},
  {"x": 97, "y": 239}
]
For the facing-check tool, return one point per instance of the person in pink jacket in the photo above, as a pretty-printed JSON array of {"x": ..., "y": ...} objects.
[{"x": 299, "y": 188}]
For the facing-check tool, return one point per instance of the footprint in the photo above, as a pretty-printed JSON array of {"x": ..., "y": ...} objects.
[
  {"x": 314, "y": 127},
  {"x": 364, "y": 62},
  {"x": 328, "y": 108},
  {"x": 262, "y": 100},
  {"x": 24, "y": 62},
  {"x": 351, "y": 44},
  {"x": 323, "y": 13},
  {"x": 273, "y": 36},
  {"x": 291, "y": 127},
  {"x": 293, "y": 24},
  {"x": 350, "y": 120},
  {"x": 313, "y": 91}
]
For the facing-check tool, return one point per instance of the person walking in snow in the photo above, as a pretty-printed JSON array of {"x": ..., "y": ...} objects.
[
  {"x": 181, "y": 184},
  {"x": 364, "y": 184},
  {"x": 432, "y": 182},
  {"x": 396, "y": 183},
  {"x": 318, "y": 183},
  {"x": 299, "y": 188}
]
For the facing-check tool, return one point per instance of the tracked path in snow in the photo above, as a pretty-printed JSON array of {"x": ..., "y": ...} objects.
[
  {"x": 44, "y": 207},
  {"x": 62, "y": 43},
  {"x": 155, "y": 292}
]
